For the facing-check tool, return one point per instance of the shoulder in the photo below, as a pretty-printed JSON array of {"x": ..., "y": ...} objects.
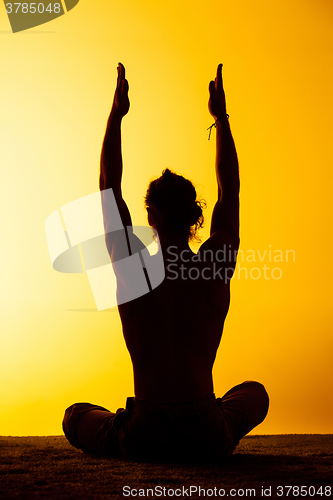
[
  {"x": 220, "y": 247},
  {"x": 220, "y": 240}
]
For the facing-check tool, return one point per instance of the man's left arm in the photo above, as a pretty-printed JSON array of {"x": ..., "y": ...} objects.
[{"x": 111, "y": 164}]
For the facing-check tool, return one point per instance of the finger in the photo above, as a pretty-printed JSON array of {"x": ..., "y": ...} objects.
[
  {"x": 121, "y": 75},
  {"x": 122, "y": 70},
  {"x": 211, "y": 86},
  {"x": 118, "y": 76},
  {"x": 124, "y": 87},
  {"x": 219, "y": 76}
]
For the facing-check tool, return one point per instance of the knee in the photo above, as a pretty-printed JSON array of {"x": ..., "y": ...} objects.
[
  {"x": 261, "y": 398},
  {"x": 69, "y": 424},
  {"x": 67, "y": 418},
  {"x": 258, "y": 388}
]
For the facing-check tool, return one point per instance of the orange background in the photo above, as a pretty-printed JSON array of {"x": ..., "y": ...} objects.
[{"x": 57, "y": 86}]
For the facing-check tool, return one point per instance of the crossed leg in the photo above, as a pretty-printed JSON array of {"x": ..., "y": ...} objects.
[
  {"x": 91, "y": 427},
  {"x": 86, "y": 425},
  {"x": 246, "y": 406}
]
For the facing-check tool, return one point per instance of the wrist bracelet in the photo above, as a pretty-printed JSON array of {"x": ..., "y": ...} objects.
[{"x": 214, "y": 125}]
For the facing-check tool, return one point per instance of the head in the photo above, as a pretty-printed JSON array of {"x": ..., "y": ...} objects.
[{"x": 172, "y": 206}]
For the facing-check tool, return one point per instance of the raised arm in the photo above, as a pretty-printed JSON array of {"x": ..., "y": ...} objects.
[
  {"x": 225, "y": 218},
  {"x": 111, "y": 158}
]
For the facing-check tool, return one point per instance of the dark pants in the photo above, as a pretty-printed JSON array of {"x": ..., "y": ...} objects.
[{"x": 208, "y": 428}]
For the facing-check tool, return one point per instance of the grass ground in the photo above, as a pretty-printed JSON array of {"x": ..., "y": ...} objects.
[{"x": 49, "y": 468}]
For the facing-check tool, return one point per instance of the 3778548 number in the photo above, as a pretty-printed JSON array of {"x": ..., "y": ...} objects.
[{"x": 32, "y": 8}]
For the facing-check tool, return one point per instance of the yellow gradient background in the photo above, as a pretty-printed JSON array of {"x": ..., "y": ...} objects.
[{"x": 57, "y": 83}]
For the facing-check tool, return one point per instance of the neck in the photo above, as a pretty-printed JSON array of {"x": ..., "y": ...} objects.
[{"x": 175, "y": 240}]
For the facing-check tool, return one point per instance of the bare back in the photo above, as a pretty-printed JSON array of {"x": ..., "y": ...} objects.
[{"x": 173, "y": 332}]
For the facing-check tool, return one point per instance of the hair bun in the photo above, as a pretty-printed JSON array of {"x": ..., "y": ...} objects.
[{"x": 172, "y": 204}]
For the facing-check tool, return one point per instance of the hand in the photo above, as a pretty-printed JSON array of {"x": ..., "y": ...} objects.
[
  {"x": 216, "y": 104},
  {"x": 121, "y": 102}
]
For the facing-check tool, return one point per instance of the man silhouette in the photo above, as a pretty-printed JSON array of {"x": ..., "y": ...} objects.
[{"x": 173, "y": 332}]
